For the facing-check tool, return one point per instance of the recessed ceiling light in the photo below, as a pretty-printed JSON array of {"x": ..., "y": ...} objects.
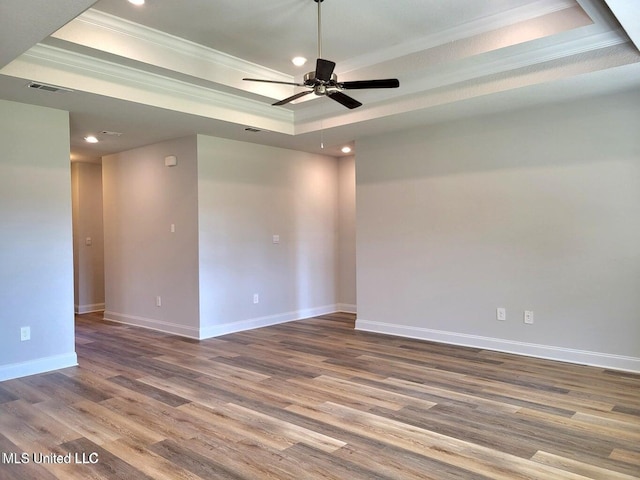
[
  {"x": 137, "y": 2},
  {"x": 298, "y": 61},
  {"x": 90, "y": 139},
  {"x": 346, "y": 149}
]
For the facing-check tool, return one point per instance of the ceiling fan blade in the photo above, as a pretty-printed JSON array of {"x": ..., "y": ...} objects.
[
  {"x": 324, "y": 69},
  {"x": 274, "y": 81},
  {"x": 361, "y": 84},
  {"x": 345, "y": 100},
  {"x": 292, "y": 98}
]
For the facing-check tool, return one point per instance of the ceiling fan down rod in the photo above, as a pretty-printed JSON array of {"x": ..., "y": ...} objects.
[{"x": 319, "y": 2}]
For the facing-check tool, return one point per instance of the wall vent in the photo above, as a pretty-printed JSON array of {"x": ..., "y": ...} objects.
[{"x": 47, "y": 88}]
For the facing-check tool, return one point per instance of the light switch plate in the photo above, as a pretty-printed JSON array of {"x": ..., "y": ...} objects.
[
  {"x": 528, "y": 317},
  {"x": 25, "y": 334}
]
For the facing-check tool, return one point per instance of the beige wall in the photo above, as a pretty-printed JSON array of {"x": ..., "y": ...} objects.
[
  {"x": 227, "y": 199},
  {"x": 36, "y": 251},
  {"x": 531, "y": 210},
  {"x": 347, "y": 234},
  {"x": 88, "y": 260},
  {"x": 143, "y": 258},
  {"x": 246, "y": 194}
]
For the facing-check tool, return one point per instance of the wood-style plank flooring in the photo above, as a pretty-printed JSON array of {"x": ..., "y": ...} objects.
[{"x": 315, "y": 399}]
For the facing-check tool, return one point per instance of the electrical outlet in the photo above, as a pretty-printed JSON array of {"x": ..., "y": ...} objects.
[
  {"x": 25, "y": 334},
  {"x": 256, "y": 298},
  {"x": 528, "y": 317},
  {"x": 501, "y": 314},
  {"x": 158, "y": 301}
]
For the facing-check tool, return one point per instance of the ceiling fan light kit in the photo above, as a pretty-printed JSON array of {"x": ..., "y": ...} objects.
[{"x": 323, "y": 82}]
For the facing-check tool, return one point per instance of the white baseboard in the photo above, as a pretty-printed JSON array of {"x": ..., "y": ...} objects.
[
  {"x": 152, "y": 324},
  {"x": 217, "y": 330},
  {"x": 40, "y": 365},
  {"x": 347, "y": 308},
  {"x": 250, "y": 324},
  {"x": 95, "y": 307},
  {"x": 582, "y": 357}
]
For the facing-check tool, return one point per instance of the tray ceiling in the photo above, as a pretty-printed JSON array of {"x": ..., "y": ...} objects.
[{"x": 170, "y": 69}]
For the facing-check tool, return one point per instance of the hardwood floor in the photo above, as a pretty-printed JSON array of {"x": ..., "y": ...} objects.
[{"x": 314, "y": 400}]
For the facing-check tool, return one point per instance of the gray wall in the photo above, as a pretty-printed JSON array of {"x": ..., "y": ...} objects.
[
  {"x": 88, "y": 260},
  {"x": 143, "y": 258},
  {"x": 532, "y": 210},
  {"x": 36, "y": 258},
  {"x": 246, "y": 194},
  {"x": 227, "y": 199},
  {"x": 347, "y": 234}
]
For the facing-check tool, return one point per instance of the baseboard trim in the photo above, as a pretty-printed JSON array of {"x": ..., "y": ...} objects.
[
  {"x": 40, "y": 365},
  {"x": 95, "y": 307},
  {"x": 347, "y": 308},
  {"x": 217, "y": 330},
  {"x": 259, "y": 322},
  {"x": 152, "y": 324},
  {"x": 582, "y": 357}
]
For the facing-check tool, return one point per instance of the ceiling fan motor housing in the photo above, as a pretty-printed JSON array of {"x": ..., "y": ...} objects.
[{"x": 311, "y": 80}]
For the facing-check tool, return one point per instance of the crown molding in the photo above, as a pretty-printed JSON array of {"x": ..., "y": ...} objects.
[
  {"x": 137, "y": 44},
  {"x": 520, "y": 57},
  {"x": 105, "y": 22},
  {"x": 466, "y": 30},
  {"x": 454, "y": 86},
  {"x": 84, "y": 73}
]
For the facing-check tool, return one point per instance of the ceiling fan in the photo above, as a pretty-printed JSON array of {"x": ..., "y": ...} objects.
[{"x": 323, "y": 81}]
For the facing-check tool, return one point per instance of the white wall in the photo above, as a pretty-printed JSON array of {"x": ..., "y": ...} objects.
[
  {"x": 347, "y": 234},
  {"x": 36, "y": 258},
  {"x": 536, "y": 209},
  {"x": 143, "y": 258},
  {"x": 88, "y": 260},
  {"x": 246, "y": 194}
]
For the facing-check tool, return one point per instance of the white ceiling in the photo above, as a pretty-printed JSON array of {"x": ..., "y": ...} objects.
[
  {"x": 24, "y": 23},
  {"x": 174, "y": 68}
]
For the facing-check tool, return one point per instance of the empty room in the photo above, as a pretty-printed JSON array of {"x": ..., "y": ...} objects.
[{"x": 320, "y": 239}]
